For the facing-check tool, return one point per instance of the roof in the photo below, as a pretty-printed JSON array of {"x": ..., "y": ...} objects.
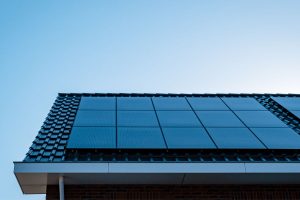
[
  {"x": 165, "y": 139},
  {"x": 51, "y": 143}
]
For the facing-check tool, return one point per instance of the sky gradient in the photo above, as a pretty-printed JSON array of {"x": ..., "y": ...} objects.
[{"x": 173, "y": 46}]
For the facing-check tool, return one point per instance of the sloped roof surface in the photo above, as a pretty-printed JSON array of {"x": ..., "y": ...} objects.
[{"x": 63, "y": 137}]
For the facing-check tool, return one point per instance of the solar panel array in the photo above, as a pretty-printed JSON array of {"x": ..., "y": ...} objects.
[{"x": 179, "y": 123}]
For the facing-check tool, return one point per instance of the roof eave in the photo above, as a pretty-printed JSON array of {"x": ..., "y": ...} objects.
[{"x": 33, "y": 177}]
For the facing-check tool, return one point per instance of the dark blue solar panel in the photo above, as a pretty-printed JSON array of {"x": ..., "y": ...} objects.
[
  {"x": 97, "y": 103},
  {"x": 219, "y": 119},
  {"x": 207, "y": 103},
  {"x": 260, "y": 119},
  {"x": 134, "y": 103},
  {"x": 278, "y": 138},
  {"x": 141, "y": 138},
  {"x": 92, "y": 137},
  {"x": 290, "y": 103},
  {"x": 178, "y": 119},
  {"x": 171, "y": 103},
  {"x": 235, "y": 138},
  {"x": 95, "y": 118},
  {"x": 187, "y": 138},
  {"x": 243, "y": 103},
  {"x": 137, "y": 118}
]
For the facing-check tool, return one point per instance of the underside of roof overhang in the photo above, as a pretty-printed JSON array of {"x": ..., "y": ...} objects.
[{"x": 34, "y": 177}]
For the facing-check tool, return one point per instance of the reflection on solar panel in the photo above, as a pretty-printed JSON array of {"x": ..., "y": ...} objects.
[{"x": 181, "y": 123}]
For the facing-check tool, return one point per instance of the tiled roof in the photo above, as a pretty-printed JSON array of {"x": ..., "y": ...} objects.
[{"x": 51, "y": 141}]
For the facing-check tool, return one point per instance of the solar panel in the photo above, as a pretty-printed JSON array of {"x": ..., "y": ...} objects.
[
  {"x": 97, "y": 103},
  {"x": 137, "y": 118},
  {"x": 95, "y": 118},
  {"x": 278, "y": 138},
  {"x": 207, "y": 103},
  {"x": 260, "y": 119},
  {"x": 92, "y": 138},
  {"x": 219, "y": 119},
  {"x": 290, "y": 103},
  {"x": 170, "y": 122},
  {"x": 187, "y": 138},
  {"x": 243, "y": 103},
  {"x": 178, "y": 119},
  {"x": 235, "y": 138},
  {"x": 296, "y": 113},
  {"x": 134, "y": 103},
  {"x": 170, "y": 103},
  {"x": 141, "y": 138}
]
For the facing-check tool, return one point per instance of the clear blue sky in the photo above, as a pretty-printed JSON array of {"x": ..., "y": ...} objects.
[{"x": 199, "y": 46}]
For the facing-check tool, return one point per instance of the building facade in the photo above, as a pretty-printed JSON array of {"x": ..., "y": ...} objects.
[{"x": 166, "y": 146}]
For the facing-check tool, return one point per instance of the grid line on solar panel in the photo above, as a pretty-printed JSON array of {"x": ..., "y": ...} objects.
[{"x": 160, "y": 127}]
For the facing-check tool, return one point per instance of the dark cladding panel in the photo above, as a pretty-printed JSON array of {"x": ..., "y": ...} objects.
[
  {"x": 219, "y": 119},
  {"x": 178, "y": 119},
  {"x": 278, "y": 138},
  {"x": 243, "y": 103},
  {"x": 207, "y": 103},
  {"x": 92, "y": 138},
  {"x": 235, "y": 138},
  {"x": 170, "y": 103},
  {"x": 187, "y": 138},
  {"x": 97, "y": 103},
  {"x": 134, "y": 103},
  {"x": 260, "y": 119},
  {"x": 95, "y": 118},
  {"x": 290, "y": 103},
  {"x": 137, "y": 118},
  {"x": 140, "y": 138}
]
